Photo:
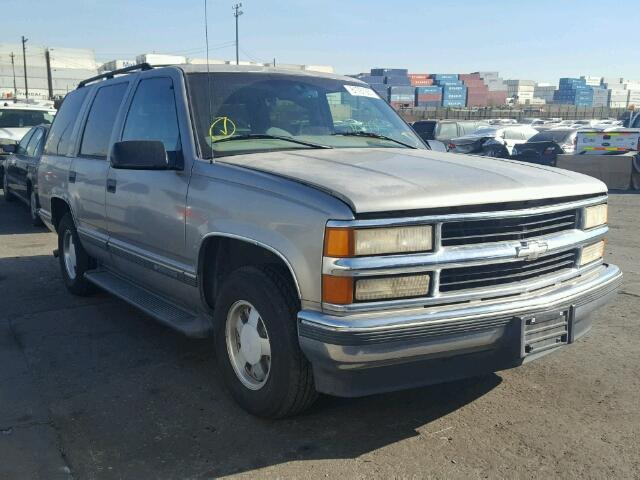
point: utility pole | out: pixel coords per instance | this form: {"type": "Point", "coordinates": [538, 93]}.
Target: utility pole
{"type": "Point", "coordinates": [24, 60]}
{"type": "Point", "coordinates": [13, 67]}
{"type": "Point", "coordinates": [49, 80]}
{"type": "Point", "coordinates": [236, 13]}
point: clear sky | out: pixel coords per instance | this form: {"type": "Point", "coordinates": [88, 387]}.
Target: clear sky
{"type": "Point", "coordinates": [539, 40]}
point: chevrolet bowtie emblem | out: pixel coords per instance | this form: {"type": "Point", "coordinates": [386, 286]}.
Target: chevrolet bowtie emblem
{"type": "Point", "coordinates": [531, 250]}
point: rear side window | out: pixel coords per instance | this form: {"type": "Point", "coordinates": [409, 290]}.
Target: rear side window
{"type": "Point", "coordinates": [97, 131]}
{"type": "Point", "coordinates": [447, 130]}
{"type": "Point", "coordinates": [152, 115]}
{"type": "Point", "coordinates": [59, 139]}
{"type": "Point", "coordinates": [34, 143]}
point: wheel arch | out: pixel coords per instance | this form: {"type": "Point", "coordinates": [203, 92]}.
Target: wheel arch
{"type": "Point", "coordinates": [221, 253]}
{"type": "Point", "coordinates": [59, 208]}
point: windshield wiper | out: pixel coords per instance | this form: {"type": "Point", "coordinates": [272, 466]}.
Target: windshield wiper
{"type": "Point", "coordinates": [375, 135]}
{"type": "Point", "coordinates": [264, 136]}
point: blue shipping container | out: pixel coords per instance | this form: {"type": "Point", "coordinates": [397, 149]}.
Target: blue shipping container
{"type": "Point", "coordinates": [433, 90]}
{"type": "Point", "coordinates": [446, 76]}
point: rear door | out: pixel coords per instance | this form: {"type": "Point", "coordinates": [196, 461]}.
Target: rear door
{"type": "Point", "coordinates": [88, 173]}
{"type": "Point", "coordinates": [25, 168]}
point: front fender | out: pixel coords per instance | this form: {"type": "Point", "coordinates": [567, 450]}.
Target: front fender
{"type": "Point", "coordinates": [280, 215]}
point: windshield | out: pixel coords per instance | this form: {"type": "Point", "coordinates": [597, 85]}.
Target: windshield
{"type": "Point", "coordinates": [15, 118]}
{"type": "Point", "coordinates": [258, 112]}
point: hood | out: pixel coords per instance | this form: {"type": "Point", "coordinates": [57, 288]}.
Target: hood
{"type": "Point", "coordinates": [392, 179]}
{"type": "Point", "coordinates": [15, 133]}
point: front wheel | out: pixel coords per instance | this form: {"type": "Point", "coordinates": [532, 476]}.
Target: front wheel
{"type": "Point", "coordinates": [74, 260]}
{"type": "Point", "coordinates": [256, 344]}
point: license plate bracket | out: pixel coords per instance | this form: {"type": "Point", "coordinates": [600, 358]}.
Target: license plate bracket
{"type": "Point", "coordinates": [545, 331]}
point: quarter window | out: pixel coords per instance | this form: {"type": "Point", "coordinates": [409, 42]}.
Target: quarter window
{"type": "Point", "coordinates": [152, 114]}
{"type": "Point", "coordinates": [97, 132]}
{"type": "Point", "coordinates": [59, 139]}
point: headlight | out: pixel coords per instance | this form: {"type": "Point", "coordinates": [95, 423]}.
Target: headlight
{"type": "Point", "coordinates": [392, 287]}
{"type": "Point", "coordinates": [348, 242]}
{"type": "Point", "coordinates": [595, 216]}
{"type": "Point", "coordinates": [591, 253]}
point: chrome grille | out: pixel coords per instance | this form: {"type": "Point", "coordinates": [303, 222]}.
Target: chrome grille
{"type": "Point", "coordinates": [482, 276]}
{"type": "Point", "coordinates": [504, 229]}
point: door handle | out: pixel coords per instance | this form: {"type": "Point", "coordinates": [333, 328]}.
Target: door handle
{"type": "Point", "coordinates": [72, 176]}
{"type": "Point", "coordinates": [111, 185]}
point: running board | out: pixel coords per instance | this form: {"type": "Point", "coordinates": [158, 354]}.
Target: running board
{"type": "Point", "coordinates": [151, 304]}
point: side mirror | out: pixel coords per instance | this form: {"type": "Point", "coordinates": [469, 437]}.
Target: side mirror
{"type": "Point", "coordinates": [140, 155]}
{"type": "Point", "coordinates": [9, 148]}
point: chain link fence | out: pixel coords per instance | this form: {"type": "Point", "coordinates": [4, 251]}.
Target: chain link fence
{"type": "Point", "coordinates": [566, 112]}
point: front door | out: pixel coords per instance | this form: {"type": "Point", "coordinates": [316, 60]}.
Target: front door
{"type": "Point", "coordinates": [146, 208]}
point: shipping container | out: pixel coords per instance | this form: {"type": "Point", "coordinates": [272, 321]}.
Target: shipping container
{"type": "Point", "coordinates": [389, 71]}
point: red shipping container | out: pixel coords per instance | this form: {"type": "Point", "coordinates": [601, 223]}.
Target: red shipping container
{"type": "Point", "coordinates": [469, 76]}
{"type": "Point", "coordinates": [421, 82]}
{"type": "Point", "coordinates": [421, 76]}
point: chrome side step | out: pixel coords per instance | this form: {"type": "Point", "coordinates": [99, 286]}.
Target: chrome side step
{"type": "Point", "coordinates": [165, 312]}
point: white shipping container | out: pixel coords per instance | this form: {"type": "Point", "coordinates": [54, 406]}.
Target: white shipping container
{"type": "Point", "coordinates": [632, 86]}
{"type": "Point", "coordinates": [319, 68]}
{"type": "Point", "coordinates": [160, 59]}
{"type": "Point", "coordinates": [617, 104]}
{"type": "Point", "coordinates": [203, 61]}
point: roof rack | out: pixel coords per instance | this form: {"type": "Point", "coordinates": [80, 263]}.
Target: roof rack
{"type": "Point", "coordinates": [112, 73]}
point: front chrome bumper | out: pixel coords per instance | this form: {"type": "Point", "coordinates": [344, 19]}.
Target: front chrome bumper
{"type": "Point", "coordinates": [368, 353]}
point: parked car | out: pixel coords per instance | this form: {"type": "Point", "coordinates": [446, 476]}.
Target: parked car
{"type": "Point", "coordinates": [17, 118]}
{"type": "Point", "coordinates": [445, 130]}
{"type": "Point", "coordinates": [321, 260]}
{"type": "Point", "coordinates": [494, 141]}
{"type": "Point", "coordinates": [544, 147]}
{"type": "Point", "coordinates": [20, 179]}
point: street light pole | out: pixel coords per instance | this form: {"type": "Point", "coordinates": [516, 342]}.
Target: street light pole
{"type": "Point", "coordinates": [24, 60]}
{"type": "Point", "coordinates": [237, 12]}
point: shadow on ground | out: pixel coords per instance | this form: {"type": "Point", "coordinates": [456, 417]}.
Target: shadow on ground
{"type": "Point", "coordinates": [130, 398]}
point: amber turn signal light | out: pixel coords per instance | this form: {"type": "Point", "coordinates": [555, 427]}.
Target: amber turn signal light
{"type": "Point", "coordinates": [338, 242]}
{"type": "Point", "coordinates": [337, 290]}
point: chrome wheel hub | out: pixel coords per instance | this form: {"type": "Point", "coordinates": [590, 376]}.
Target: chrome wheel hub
{"type": "Point", "coordinates": [248, 345]}
{"type": "Point", "coordinates": [69, 254]}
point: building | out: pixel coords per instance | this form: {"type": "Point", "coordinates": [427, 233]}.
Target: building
{"type": "Point", "coordinates": [544, 91]}
{"type": "Point", "coordinates": [522, 91]}
{"type": "Point", "coordinates": [51, 71]}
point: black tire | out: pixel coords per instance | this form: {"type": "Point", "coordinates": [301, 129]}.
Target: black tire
{"type": "Point", "coordinates": [78, 285]}
{"type": "Point", "coordinates": [36, 221]}
{"type": "Point", "coordinates": [8, 197]}
{"type": "Point", "coordinates": [289, 388]}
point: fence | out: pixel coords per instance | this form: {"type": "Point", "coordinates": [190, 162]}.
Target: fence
{"type": "Point", "coordinates": [566, 112]}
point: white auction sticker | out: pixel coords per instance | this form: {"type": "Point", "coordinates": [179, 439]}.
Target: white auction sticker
{"type": "Point", "coordinates": [357, 91]}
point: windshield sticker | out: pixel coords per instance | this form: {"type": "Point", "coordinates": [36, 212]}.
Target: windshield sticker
{"type": "Point", "coordinates": [222, 127]}
{"type": "Point", "coordinates": [357, 91]}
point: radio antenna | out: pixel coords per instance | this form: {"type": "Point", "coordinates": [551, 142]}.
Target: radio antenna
{"type": "Point", "coordinates": [209, 92]}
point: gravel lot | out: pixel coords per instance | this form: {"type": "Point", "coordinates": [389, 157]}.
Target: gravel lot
{"type": "Point", "coordinates": [92, 388]}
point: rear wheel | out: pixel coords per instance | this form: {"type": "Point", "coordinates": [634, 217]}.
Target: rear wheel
{"type": "Point", "coordinates": [5, 188]}
{"type": "Point", "coordinates": [257, 346]}
{"type": "Point", "coordinates": [33, 209]}
{"type": "Point", "coordinates": [74, 260]}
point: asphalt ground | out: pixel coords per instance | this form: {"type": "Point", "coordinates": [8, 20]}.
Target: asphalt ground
{"type": "Point", "coordinates": [90, 388]}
